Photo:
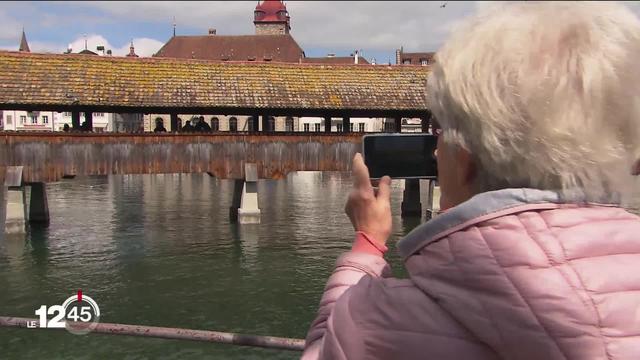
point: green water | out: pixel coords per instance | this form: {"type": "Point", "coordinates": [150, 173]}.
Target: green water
{"type": "Point", "coordinates": [159, 250]}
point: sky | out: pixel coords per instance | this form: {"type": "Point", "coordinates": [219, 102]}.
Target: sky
{"type": "Point", "coordinates": [377, 28]}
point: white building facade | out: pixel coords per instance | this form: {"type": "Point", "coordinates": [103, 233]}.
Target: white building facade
{"type": "Point", "coordinates": [18, 120]}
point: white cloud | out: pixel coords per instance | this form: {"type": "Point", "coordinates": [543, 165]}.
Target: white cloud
{"type": "Point", "coordinates": [92, 42]}
{"type": "Point", "coordinates": [230, 17]}
{"type": "Point", "coordinates": [144, 47]}
{"type": "Point", "coordinates": [342, 25]}
{"type": "Point", "coordinates": [10, 29]}
{"type": "Point", "coordinates": [46, 47]}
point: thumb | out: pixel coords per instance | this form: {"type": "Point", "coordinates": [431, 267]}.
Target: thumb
{"type": "Point", "coordinates": [384, 188]}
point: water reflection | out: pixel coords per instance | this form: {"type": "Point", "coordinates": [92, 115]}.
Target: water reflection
{"type": "Point", "coordinates": [160, 250]}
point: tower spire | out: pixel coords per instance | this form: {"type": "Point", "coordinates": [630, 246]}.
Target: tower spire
{"type": "Point", "coordinates": [132, 51]}
{"type": "Point", "coordinates": [24, 45]}
{"type": "Point", "coordinates": [174, 26]}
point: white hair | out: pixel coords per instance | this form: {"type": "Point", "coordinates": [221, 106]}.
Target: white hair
{"type": "Point", "coordinates": [544, 95]}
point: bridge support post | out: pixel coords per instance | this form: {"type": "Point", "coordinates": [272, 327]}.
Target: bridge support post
{"type": "Point", "coordinates": [244, 206]}
{"type": "Point", "coordinates": [327, 124]}
{"type": "Point", "coordinates": [398, 124]}
{"type": "Point", "coordinates": [433, 199]}
{"type": "Point", "coordinates": [75, 120]}
{"type": "Point", "coordinates": [346, 124]}
{"type": "Point", "coordinates": [174, 123]}
{"type": "Point", "coordinates": [88, 117]}
{"type": "Point", "coordinates": [15, 220]}
{"type": "Point", "coordinates": [424, 123]}
{"type": "Point", "coordinates": [265, 123]}
{"type": "Point", "coordinates": [411, 205]}
{"type": "Point", "coordinates": [255, 123]}
{"type": "Point", "coordinates": [38, 204]}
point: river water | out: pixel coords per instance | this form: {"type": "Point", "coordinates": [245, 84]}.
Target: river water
{"type": "Point", "coordinates": [159, 250]}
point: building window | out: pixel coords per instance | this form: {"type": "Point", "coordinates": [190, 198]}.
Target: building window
{"type": "Point", "coordinates": [361, 127]}
{"type": "Point", "coordinates": [288, 123]}
{"type": "Point", "coordinates": [306, 127]}
{"type": "Point", "coordinates": [45, 119]}
{"type": "Point", "coordinates": [9, 119]}
{"type": "Point", "coordinates": [339, 127]}
{"type": "Point", "coordinates": [406, 62]}
{"type": "Point", "coordinates": [350, 127]}
{"type": "Point", "coordinates": [215, 124]}
{"type": "Point", "coordinates": [423, 62]}
{"type": "Point", "coordinates": [271, 124]}
{"type": "Point", "coordinates": [23, 119]}
{"type": "Point", "coordinates": [34, 119]}
{"type": "Point", "coordinates": [316, 127]}
{"type": "Point", "coordinates": [233, 124]}
{"type": "Point", "coordinates": [98, 114]}
{"type": "Point", "coordinates": [67, 114]}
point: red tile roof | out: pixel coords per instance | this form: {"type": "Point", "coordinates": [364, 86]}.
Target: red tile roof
{"type": "Point", "coordinates": [271, 11]}
{"type": "Point", "coordinates": [277, 48]}
{"type": "Point", "coordinates": [104, 82]}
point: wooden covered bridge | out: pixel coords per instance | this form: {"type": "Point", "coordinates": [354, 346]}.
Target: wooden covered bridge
{"type": "Point", "coordinates": [81, 83]}
{"type": "Point", "coordinates": [88, 84]}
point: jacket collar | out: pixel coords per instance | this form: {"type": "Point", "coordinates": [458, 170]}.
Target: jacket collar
{"type": "Point", "coordinates": [483, 207]}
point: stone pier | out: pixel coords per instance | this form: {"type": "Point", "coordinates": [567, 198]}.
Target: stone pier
{"type": "Point", "coordinates": [434, 200]}
{"type": "Point", "coordinates": [244, 206]}
{"type": "Point", "coordinates": [15, 219]}
{"type": "Point", "coordinates": [411, 205]}
{"type": "Point", "coordinates": [38, 205]}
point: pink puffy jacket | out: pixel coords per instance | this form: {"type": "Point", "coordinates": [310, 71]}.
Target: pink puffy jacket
{"type": "Point", "coordinates": [509, 274]}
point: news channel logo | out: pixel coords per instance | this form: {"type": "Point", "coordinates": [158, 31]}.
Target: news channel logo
{"type": "Point", "coordinates": [79, 314]}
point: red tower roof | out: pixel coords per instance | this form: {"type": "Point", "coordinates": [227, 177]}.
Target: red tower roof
{"type": "Point", "coordinates": [271, 11]}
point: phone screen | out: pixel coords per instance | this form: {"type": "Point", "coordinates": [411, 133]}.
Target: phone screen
{"type": "Point", "coordinates": [401, 155]}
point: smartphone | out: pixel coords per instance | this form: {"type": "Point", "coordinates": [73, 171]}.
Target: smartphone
{"type": "Point", "coordinates": [400, 156]}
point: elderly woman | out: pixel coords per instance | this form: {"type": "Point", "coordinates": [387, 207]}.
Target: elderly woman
{"type": "Point", "coordinates": [534, 258]}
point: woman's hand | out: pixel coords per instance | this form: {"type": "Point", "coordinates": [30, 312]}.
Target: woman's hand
{"type": "Point", "coordinates": [369, 212]}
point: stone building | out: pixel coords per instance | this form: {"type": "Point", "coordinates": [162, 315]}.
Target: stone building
{"type": "Point", "coordinates": [414, 58]}
{"type": "Point", "coordinates": [271, 42]}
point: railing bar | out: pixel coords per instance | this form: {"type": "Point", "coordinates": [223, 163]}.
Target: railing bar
{"type": "Point", "coordinates": [270, 342]}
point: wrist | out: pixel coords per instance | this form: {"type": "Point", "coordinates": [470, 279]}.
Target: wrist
{"type": "Point", "coordinates": [365, 243]}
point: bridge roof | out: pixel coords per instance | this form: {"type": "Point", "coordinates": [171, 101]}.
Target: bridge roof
{"type": "Point", "coordinates": [98, 83]}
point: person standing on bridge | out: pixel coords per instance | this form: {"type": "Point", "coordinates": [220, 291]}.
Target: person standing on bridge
{"type": "Point", "coordinates": [535, 258]}
{"type": "Point", "coordinates": [202, 125]}
{"type": "Point", "coordinates": [187, 127]}
{"type": "Point", "coordinates": [159, 125]}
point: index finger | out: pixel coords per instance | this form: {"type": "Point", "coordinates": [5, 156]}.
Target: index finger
{"type": "Point", "coordinates": [360, 174]}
